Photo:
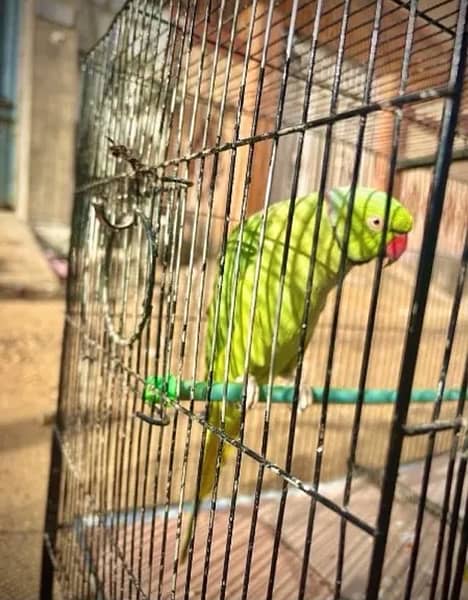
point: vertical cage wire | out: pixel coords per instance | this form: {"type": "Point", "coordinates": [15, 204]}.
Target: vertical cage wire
{"type": "Point", "coordinates": [197, 120]}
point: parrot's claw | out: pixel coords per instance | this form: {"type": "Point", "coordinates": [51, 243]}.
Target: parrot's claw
{"type": "Point", "coordinates": [252, 395]}
{"type": "Point", "coordinates": [305, 395]}
{"type": "Point", "coordinates": [305, 398]}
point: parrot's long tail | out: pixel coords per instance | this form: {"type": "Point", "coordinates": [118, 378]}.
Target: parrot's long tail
{"type": "Point", "coordinates": [207, 475]}
{"type": "Point", "coordinates": [187, 536]}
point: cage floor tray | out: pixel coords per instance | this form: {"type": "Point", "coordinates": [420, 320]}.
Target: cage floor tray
{"type": "Point", "coordinates": [147, 541]}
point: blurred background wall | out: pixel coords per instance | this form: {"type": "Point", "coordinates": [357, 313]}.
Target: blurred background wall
{"type": "Point", "coordinates": [39, 94]}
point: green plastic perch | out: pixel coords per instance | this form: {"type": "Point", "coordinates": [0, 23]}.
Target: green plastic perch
{"type": "Point", "coordinates": [169, 389]}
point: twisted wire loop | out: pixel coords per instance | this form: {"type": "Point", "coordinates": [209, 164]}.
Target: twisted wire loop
{"type": "Point", "coordinates": [112, 229]}
{"type": "Point", "coordinates": [151, 184]}
{"type": "Point", "coordinates": [140, 186]}
{"type": "Point", "coordinates": [99, 208]}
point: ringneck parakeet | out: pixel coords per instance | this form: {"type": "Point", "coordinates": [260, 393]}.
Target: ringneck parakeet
{"type": "Point", "coordinates": [363, 246]}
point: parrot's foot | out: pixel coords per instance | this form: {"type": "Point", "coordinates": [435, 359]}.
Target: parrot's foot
{"type": "Point", "coordinates": [253, 391]}
{"type": "Point", "coordinates": [305, 396]}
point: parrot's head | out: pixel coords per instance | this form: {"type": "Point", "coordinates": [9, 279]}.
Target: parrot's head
{"type": "Point", "coordinates": [367, 223]}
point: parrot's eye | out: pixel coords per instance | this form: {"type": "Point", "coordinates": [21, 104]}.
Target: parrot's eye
{"type": "Point", "coordinates": [375, 223]}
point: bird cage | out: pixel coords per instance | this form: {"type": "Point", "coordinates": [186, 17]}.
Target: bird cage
{"type": "Point", "coordinates": [200, 122]}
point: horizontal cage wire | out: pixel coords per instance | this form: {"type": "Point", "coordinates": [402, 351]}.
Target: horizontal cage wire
{"type": "Point", "coordinates": [264, 364]}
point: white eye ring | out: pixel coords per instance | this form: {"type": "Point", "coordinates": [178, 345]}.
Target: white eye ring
{"type": "Point", "coordinates": [375, 223]}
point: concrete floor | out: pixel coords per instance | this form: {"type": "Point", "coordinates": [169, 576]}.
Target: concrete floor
{"type": "Point", "coordinates": [31, 315]}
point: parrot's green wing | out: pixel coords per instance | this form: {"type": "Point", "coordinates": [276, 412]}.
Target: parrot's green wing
{"type": "Point", "coordinates": [243, 279]}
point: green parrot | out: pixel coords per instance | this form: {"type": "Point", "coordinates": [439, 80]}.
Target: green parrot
{"type": "Point", "coordinates": [363, 246]}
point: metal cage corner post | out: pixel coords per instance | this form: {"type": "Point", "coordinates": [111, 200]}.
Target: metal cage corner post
{"type": "Point", "coordinates": [198, 118]}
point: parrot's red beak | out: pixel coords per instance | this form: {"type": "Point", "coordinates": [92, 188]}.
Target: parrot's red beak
{"type": "Point", "coordinates": [396, 247]}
